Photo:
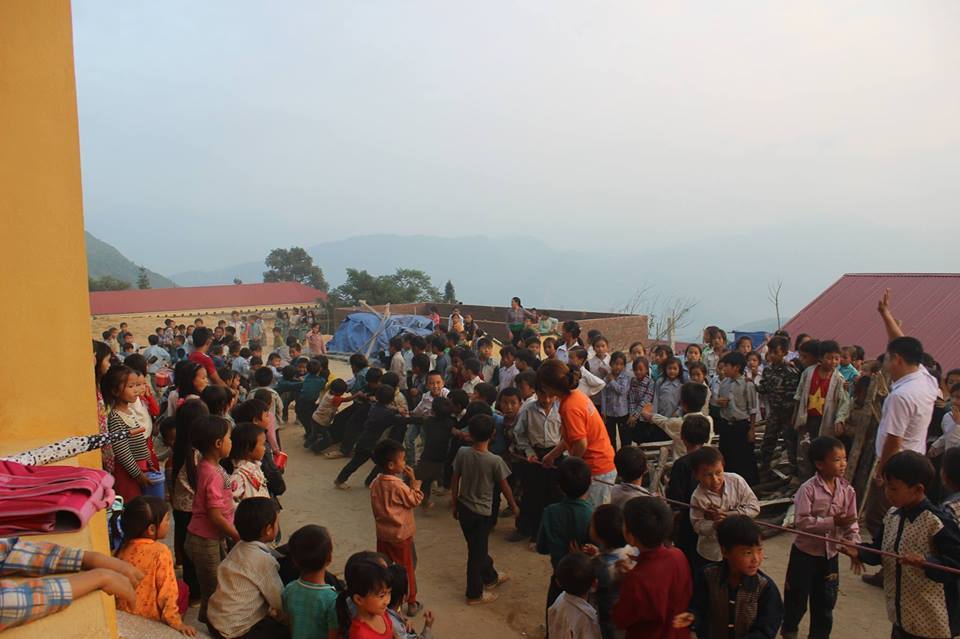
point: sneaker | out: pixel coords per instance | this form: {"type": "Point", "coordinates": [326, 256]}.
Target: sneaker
{"type": "Point", "coordinates": [340, 486]}
{"type": "Point", "coordinates": [414, 609]}
{"type": "Point", "coordinates": [485, 598]}
{"type": "Point", "coordinates": [502, 578]}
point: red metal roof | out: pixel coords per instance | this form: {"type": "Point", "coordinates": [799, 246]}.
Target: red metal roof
{"type": "Point", "coordinates": [926, 304]}
{"type": "Point", "coordinates": [203, 297]}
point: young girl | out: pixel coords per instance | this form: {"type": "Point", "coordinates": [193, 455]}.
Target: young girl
{"type": "Point", "coordinates": [609, 546]}
{"type": "Point", "coordinates": [716, 348]}
{"type": "Point", "coordinates": [599, 364]}
{"type": "Point", "coordinates": [248, 445]}
{"type": "Point", "coordinates": [191, 379]}
{"type": "Point", "coordinates": [213, 506]}
{"type": "Point", "coordinates": [639, 395]}
{"type": "Point", "coordinates": [232, 379]}
{"type": "Point", "coordinates": [220, 400]}
{"type": "Point", "coordinates": [146, 521]}
{"type": "Point", "coordinates": [666, 395]}
{"type": "Point", "coordinates": [693, 354]}
{"type": "Point", "coordinates": [133, 456]}
{"type": "Point", "coordinates": [550, 348]}
{"type": "Point", "coordinates": [368, 589]}
{"type": "Point", "coordinates": [614, 400]}
{"type": "Point", "coordinates": [754, 367]}
{"type": "Point", "coordinates": [270, 420]}
{"type": "Point", "coordinates": [637, 349]}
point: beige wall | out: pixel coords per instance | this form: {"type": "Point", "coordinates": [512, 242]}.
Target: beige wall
{"type": "Point", "coordinates": [45, 274]}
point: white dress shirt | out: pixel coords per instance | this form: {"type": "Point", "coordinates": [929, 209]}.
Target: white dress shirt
{"type": "Point", "coordinates": [907, 411]}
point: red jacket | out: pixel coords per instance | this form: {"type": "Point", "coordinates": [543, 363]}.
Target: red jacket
{"type": "Point", "coordinates": [657, 589]}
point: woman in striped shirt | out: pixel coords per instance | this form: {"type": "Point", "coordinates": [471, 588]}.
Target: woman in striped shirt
{"type": "Point", "coordinates": [133, 456]}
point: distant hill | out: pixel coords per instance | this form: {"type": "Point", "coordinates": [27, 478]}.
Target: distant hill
{"type": "Point", "coordinates": [103, 259]}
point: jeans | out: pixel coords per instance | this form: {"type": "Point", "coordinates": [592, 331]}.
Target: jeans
{"type": "Point", "coordinates": [206, 555]}
{"type": "Point", "coordinates": [816, 579]}
{"type": "Point", "coordinates": [476, 530]}
{"type": "Point", "coordinates": [599, 493]}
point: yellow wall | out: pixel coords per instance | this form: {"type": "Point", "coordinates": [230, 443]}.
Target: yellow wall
{"type": "Point", "coordinates": [47, 371]}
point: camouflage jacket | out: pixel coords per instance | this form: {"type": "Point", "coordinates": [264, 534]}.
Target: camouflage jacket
{"type": "Point", "coordinates": [778, 385]}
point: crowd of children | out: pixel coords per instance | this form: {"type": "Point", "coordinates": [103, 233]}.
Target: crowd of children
{"type": "Point", "coordinates": [443, 417]}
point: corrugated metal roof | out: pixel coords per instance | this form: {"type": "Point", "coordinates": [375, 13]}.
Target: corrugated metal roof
{"type": "Point", "coordinates": [926, 304]}
{"type": "Point", "coordinates": [203, 297]}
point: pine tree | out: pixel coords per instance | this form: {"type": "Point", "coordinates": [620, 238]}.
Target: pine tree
{"type": "Point", "coordinates": [143, 280]}
{"type": "Point", "coordinates": [449, 293]}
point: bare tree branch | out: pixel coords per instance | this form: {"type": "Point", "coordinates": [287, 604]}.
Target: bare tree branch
{"type": "Point", "coordinates": [665, 315]}
{"type": "Point", "coordinates": [774, 297]}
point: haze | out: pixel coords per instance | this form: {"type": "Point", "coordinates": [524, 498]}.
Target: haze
{"type": "Point", "coordinates": [710, 148]}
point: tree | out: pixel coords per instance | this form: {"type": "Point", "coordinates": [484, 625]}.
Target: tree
{"type": "Point", "coordinates": [449, 293]}
{"type": "Point", "coordinates": [774, 297]}
{"type": "Point", "coordinates": [237, 281]}
{"type": "Point", "coordinates": [293, 265]}
{"type": "Point", "coordinates": [143, 280]}
{"type": "Point", "coordinates": [402, 287]}
{"type": "Point", "coordinates": [107, 283]}
{"type": "Point", "coordinates": [665, 315]}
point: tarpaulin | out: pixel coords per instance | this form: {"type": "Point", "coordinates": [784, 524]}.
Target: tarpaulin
{"type": "Point", "coordinates": [357, 329]}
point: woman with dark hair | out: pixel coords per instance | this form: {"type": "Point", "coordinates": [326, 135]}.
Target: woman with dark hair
{"type": "Point", "coordinates": [582, 431]}
{"type": "Point", "coordinates": [516, 318]}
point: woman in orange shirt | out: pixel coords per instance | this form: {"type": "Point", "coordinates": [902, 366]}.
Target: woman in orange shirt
{"type": "Point", "coordinates": [145, 521]}
{"type": "Point", "coordinates": [582, 431]}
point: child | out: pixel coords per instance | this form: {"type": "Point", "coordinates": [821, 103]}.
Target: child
{"type": "Point", "coordinates": [508, 405]}
{"type": "Point", "coordinates": [248, 445]}
{"type": "Point", "coordinates": [133, 457]}
{"type": "Point", "coordinates": [778, 388]}
{"type": "Point", "coordinates": [716, 348]}
{"type": "Point", "coordinates": [477, 473]}
{"type": "Point", "coordinates": [213, 505]}
{"type": "Point", "coordinates": [568, 521]}
{"type": "Point", "coordinates": [639, 395]}
{"type": "Point", "coordinates": [550, 348]}
{"type": "Point", "coordinates": [536, 433]}
{"type": "Point", "coordinates": [739, 405]}
{"type": "Point", "coordinates": [381, 418]}
{"type": "Point", "coordinates": [658, 587]}
{"type": "Point", "coordinates": [263, 380]}
{"type": "Point", "coordinates": [249, 595]}
{"type": "Point", "coordinates": [508, 368]}
{"type": "Point", "coordinates": [718, 495]}
{"type": "Point", "coordinates": [824, 505]}
{"type": "Point", "coordinates": [666, 394]}
{"type": "Point", "coordinates": [661, 353]}
{"type": "Point", "coordinates": [393, 503]}
{"type": "Point", "coordinates": [399, 583]}
{"type": "Point", "coordinates": [847, 368]}
{"type": "Point", "coordinates": [693, 397]}
{"type": "Point", "coordinates": [950, 478]}
{"type": "Point", "coordinates": [920, 602]}
{"type": "Point", "coordinates": [609, 547]}
{"type": "Point", "coordinates": [599, 362]}
{"type": "Point", "coordinates": [571, 615]}
{"type": "Point", "coordinates": [697, 374]}
{"type": "Point", "coordinates": [313, 384]}
{"type": "Point", "coordinates": [256, 412]}
{"type": "Point", "coordinates": [823, 403]}
{"type": "Point", "coordinates": [435, 390]}
{"type": "Point", "coordinates": [590, 385]}
{"type": "Point", "coordinates": [694, 433]}
{"type": "Point", "coordinates": [754, 369]}
{"type": "Point", "coordinates": [744, 345]}
{"type": "Point", "coordinates": [146, 521]}
{"type": "Point", "coordinates": [755, 610]}
{"type": "Point", "coordinates": [309, 602]}
{"type": "Point", "coordinates": [614, 400]}
{"type": "Point", "coordinates": [437, 432]}
{"type": "Point", "coordinates": [948, 425]}
{"type": "Point", "coordinates": [327, 408]}
{"type": "Point", "coordinates": [368, 589]}
{"type": "Point", "coordinates": [471, 374]}
{"type": "Point", "coordinates": [631, 463]}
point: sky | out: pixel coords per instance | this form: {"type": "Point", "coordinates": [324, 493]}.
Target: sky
{"type": "Point", "coordinates": [715, 142]}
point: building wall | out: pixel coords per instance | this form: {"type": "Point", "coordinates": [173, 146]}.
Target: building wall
{"type": "Point", "coordinates": [46, 273]}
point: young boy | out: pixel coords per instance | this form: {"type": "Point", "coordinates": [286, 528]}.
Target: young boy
{"type": "Point", "coordinates": [847, 368]}
{"type": "Point", "coordinates": [263, 378]}
{"type": "Point", "coordinates": [381, 418]}
{"type": "Point", "coordinates": [536, 433]}
{"type": "Point", "coordinates": [485, 355]}
{"type": "Point", "coordinates": [658, 587]}
{"type": "Point", "coordinates": [693, 397]}
{"type": "Point", "coordinates": [567, 521]}
{"type": "Point", "coordinates": [310, 602]}
{"type": "Point", "coordinates": [920, 602]}
{"type": "Point", "coordinates": [695, 434]}
{"type": "Point", "coordinates": [571, 615]}
{"type": "Point", "coordinates": [737, 399]}
{"type": "Point", "coordinates": [435, 390]}
{"type": "Point", "coordinates": [327, 407]}
{"type": "Point", "coordinates": [754, 609]}
{"type": "Point", "coordinates": [471, 374]}
{"type": "Point", "coordinates": [249, 595]}
{"type": "Point", "coordinates": [393, 503]}
{"type": "Point", "coordinates": [477, 474]}
{"type": "Point", "coordinates": [778, 390]}
{"type": "Point", "coordinates": [825, 505]}
{"type": "Point", "coordinates": [823, 403]}
{"type": "Point", "coordinates": [631, 463]}
{"type": "Point", "coordinates": [508, 370]}
{"type": "Point", "coordinates": [437, 432]}
{"type": "Point", "coordinates": [717, 496]}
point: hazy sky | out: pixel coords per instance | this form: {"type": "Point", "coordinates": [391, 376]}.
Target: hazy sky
{"type": "Point", "coordinates": [817, 138]}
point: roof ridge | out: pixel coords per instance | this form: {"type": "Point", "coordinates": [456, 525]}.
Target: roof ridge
{"type": "Point", "coordinates": [901, 275]}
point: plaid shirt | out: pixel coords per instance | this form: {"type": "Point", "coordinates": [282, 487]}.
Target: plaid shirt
{"type": "Point", "coordinates": [30, 599]}
{"type": "Point", "coordinates": [639, 393]}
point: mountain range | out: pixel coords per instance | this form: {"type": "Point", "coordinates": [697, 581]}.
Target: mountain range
{"type": "Point", "coordinates": [103, 259]}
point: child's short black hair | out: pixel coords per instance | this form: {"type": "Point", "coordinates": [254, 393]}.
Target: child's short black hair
{"type": "Point", "coordinates": [338, 386]}
{"type": "Point", "coordinates": [421, 362]}
{"type": "Point", "coordinates": [484, 342]}
{"type": "Point", "coordinates": [527, 357]}
{"type": "Point", "coordinates": [373, 375]}
{"type": "Point", "coordinates": [396, 343]}
{"type": "Point", "coordinates": [576, 574]}
{"type": "Point", "coordinates": [574, 477]}
{"type": "Point", "coordinates": [527, 377]}
{"type": "Point", "coordinates": [244, 439]}
{"type": "Point", "coordinates": [738, 530]}
{"type": "Point", "coordinates": [607, 522]}
{"type": "Point", "coordinates": [530, 341]}
{"type": "Point", "coordinates": [695, 430]}
{"type": "Point", "coordinates": [205, 432]}
{"type": "Point", "coordinates": [631, 463]}
{"type": "Point", "coordinates": [252, 517]}
{"type": "Point", "coordinates": [649, 519]}
{"type": "Point", "coordinates": [745, 338]}
{"type": "Point", "coordinates": [950, 467]}
{"type": "Point", "coordinates": [385, 394]}
{"type": "Point", "coordinates": [167, 424]}
{"type": "Point", "coordinates": [487, 392]}
{"type": "Point", "coordinates": [153, 340]}
{"type": "Point", "coordinates": [459, 398]}
{"type": "Point", "coordinates": [697, 366]}
{"type": "Point", "coordinates": [640, 360]}
{"type": "Point", "coordinates": [217, 398]}
{"type": "Point", "coordinates": [779, 343]}
{"type": "Point", "coordinates": [663, 349]}
{"type": "Point", "coordinates": [390, 379]}
{"type": "Point", "coordinates": [249, 411]}
{"type": "Point", "coordinates": [828, 347]}
{"type": "Point", "coordinates": [910, 467]}
{"type": "Point", "coordinates": [288, 372]}
{"type": "Point", "coordinates": [810, 347]}
{"type": "Point", "coordinates": [442, 407]}
{"type": "Point", "coordinates": [508, 350]}
{"type": "Point", "coordinates": [735, 359]}
{"type": "Point", "coordinates": [706, 456]}
{"type": "Point", "coordinates": [822, 446]}
{"type": "Point", "coordinates": [510, 391]}
{"type": "Point", "coordinates": [314, 367]}
{"type": "Point", "coordinates": [263, 376]}
{"type": "Point", "coordinates": [693, 396]}
{"type": "Point", "coordinates": [387, 451]}
{"type": "Point", "coordinates": [909, 348]}
{"type": "Point", "coordinates": [310, 547]}
{"type": "Point", "coordinates": [618, 356]}
{"type": "Point", "coordinates": [481, 428]}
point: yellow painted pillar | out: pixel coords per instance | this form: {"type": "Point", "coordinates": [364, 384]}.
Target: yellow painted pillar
{"type": "Point", "coordinates": [47, 372]}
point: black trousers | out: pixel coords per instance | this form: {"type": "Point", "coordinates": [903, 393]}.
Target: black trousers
{"type": "Point", "coordinates": [266, 628]}
{"type": "Point", "coordinates": [540, 489]}
{"type": "Point", "coordinates": [476, 531]}
{"type": "Point", "coordinates": [360, 457]}
{"type": "Point", "coordinates": [737, 448]}
{"type": "Point", "coordinates": [614, 424]}
{"type": "Point", "coordinates": [181, 519]}
{"type": "Point", "coordinates": [353, 427]}
{"type": "Point", "coordinates": [816, 579]}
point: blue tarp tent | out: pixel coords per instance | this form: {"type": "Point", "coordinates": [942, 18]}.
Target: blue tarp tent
{"type": "Point", "coordinates": [357, 329]}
